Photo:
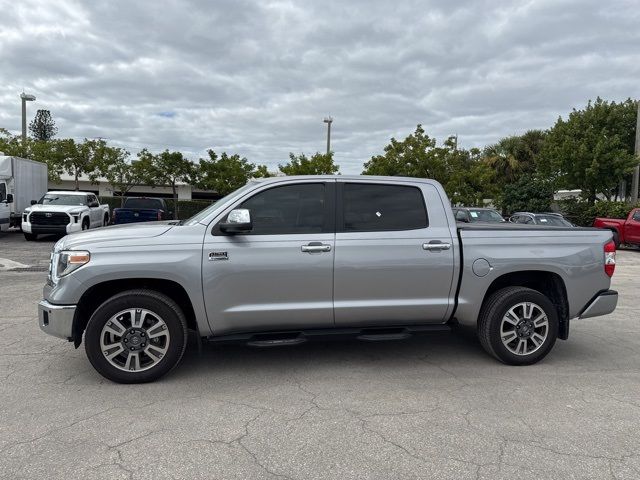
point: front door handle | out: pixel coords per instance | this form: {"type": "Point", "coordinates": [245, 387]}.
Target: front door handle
{"type": "Point", "coordinates": [316, 247]}
{"type": "Point", "coordinates": [435, 246]}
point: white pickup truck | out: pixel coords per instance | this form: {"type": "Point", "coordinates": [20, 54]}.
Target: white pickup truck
{"type": "Point", "coordinates": [63, 213]}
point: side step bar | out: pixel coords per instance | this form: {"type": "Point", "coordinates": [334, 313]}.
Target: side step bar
{"type": "Point", "coordinates": [296, 337]}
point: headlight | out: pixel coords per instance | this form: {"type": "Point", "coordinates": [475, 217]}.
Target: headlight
{"type": "Point", "coordinates": [67, 261]}
{"type": "Point", "coordinates": [75, 213]}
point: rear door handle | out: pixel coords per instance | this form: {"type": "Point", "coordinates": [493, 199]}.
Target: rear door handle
{"type": "Point", "coordinates": [435, 246]}
{"type": "Point", "coordinates": [316, 247]}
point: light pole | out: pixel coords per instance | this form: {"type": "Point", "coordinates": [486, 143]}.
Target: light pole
{"type": "Point", "coordinates": [328, 121]}
{"type": "Point", "coordinates": [25, 98]}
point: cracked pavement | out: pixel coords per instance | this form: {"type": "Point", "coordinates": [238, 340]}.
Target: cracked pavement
{"type": "Point", "coordinates": [429, 407]}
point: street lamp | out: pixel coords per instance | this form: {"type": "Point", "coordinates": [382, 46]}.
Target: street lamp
{"type": "Point", "coordinates": [25, 98]}
{"type": "Point", "coordinates": [328, 121]}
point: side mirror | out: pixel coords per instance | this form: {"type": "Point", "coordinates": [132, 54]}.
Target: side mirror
{"type": "Point", "coordinates": [33, 202]}
{"type": "Point", "coordinates": [10, 198]}
{"type": "Point", "coordinates": [238, 221]}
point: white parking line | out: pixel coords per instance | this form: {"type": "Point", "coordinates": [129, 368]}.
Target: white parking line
{"type": "Point", "coordinates": [6, 265]}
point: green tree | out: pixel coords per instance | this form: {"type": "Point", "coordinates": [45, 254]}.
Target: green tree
{"type": "Point", "coordinates": [527, 194]}
{"type": "Point", "coordinates": [592, 149]}
{"type": "Point", "coordinates": [51, 152]}
{"type": "Point", "coordinates": [466, 179]}
{"type": "Point", "coordinates": [415, 156]}
{"type": "Point", "coordinates": [317, 164]}
{"type": "Point", "coordinates": [81, 158]}
{"type": "Point", "coordinates": [515, 155]}
{"type": "Point", "coordinates": [167, 169]}
{"type": "Point", "coordinates": [115, 166]}
{"type": "Point", "coordinates": [42, 127]}
{"type": "Point", "coordinates": [225, 173]}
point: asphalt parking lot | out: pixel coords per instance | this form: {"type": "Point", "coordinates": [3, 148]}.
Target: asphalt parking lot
{"type": "Point", "coordinates": [430, 407]}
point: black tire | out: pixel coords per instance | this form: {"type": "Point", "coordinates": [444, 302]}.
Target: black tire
{"type": "Point", "coordinates": [85, 224]}
{"type": "Point", "coordinates": [616, 239]}
{"type": "Point", "coordinates": [491, 316]}
{"type": "Point", "coordinates": [157, 303]}
{"type": "Point", "coordinates": [30, 237]}
{"type": "Point", "coordinates": [105, 222]}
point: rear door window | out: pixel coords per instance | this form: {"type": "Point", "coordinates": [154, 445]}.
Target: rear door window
{"type": "Point", "coordinates": [376, 208]}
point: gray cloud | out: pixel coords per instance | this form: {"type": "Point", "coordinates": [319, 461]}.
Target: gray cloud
{"type": "Point", "coordinates": [257, 78]}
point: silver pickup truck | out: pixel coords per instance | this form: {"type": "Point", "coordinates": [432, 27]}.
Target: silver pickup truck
{"type": "Point", "coordinates": [289, 259]}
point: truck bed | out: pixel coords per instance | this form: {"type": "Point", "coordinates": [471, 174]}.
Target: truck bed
{"type": "Point", "coordinates": [575, 254]}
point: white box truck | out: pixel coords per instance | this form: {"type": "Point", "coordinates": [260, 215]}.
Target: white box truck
{"type": "Point", "coordinates": [21, 181]}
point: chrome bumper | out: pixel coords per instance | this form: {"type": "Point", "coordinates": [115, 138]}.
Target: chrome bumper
{"type": "Point", "coordinates": [603, 304]}
{"type": "Point", "coordinates": [56, 320]}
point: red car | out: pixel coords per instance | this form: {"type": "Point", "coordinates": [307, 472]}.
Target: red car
{"type": "Point", "coordinates": [624, 231]}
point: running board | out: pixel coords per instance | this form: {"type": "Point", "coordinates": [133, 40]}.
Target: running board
{"type": "Point", "coordinates": [296, 337]}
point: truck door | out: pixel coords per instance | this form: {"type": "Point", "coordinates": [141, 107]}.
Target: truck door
{"type": "Point", "coordinates": [95, 212]}
{"type": "Point", "coordinates": [5, 208]}
{"type": "Point", "coordinates": [280, 275]}
{"type": "Point", "coordinates": [394, 254]}
{"type": "Point", "coordinates": [632, 228]}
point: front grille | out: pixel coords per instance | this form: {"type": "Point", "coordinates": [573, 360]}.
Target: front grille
{"type": "Point", "coordinates": [49, 218]}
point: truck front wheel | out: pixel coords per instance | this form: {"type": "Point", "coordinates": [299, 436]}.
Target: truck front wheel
{"type": "Point", "coordinates": [518, 325]}
{"type": "Point", "coordinates": [136, 336]}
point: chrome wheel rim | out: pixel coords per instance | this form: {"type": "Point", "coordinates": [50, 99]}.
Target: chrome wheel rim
{"type": "Point", "coordinates": [524, 328]}
{"type": "Point", "coordinates": [134, 340]}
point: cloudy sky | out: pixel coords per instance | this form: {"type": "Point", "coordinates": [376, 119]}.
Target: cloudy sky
{"type": "Point", "coordinates": [257, 78]}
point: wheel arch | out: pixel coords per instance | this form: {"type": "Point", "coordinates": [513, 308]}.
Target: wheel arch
{"type": "Point", "coordinates": [548, 283]}
{"type": "Point", "coordinates": [100, 292]}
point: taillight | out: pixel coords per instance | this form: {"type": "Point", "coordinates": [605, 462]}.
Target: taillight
{"type": "Point", "coordinates": [610, 258]}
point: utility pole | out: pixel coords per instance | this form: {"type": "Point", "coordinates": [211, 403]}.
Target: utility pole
{"type": "Point", "coordinates": [636, 171]}
{"type": "Point", "coordinates": [25, 98]}
{"type": "Point", "coordinates": [328, 121]}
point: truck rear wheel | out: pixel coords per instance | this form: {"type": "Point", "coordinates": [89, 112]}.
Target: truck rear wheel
{"type": "Point", "coordinates": [136, 336]}
{"type": "Point", "coordinates": [518, 325]}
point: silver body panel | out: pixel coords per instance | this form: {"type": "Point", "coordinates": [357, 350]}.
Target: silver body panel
{"type": "Point", "coordinates": [242, 283]}
{"type": "Point", "coordinates": [56, 320]}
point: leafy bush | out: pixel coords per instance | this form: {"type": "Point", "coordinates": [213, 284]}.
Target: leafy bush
{"type": "Point", "coordinates": [527, 194]}
{"type": "Point", "coordinates": [186, 208]}
{"type": "Point", "coordinates": [582, 213]}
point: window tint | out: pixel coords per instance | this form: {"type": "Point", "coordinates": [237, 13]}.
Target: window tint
{"type": "Point", "coordinates": [636, 215]}
{"type": "Point", "coordinates": [150, 203]}
{"type": "Point", "coordinates": [3, 191]}
{"type": "Point", "coordinates": [370, 208]}
{"type": "Point", "coordinates": [288, 209]}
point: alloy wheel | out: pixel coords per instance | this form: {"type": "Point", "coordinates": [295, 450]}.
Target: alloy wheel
{"type": "Point", "coordinates": [135, 339]}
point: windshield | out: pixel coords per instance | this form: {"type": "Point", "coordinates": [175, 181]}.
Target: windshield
{"type": "Point", "coordinates": [485, 216]}
{"type": "Point", "coordinates": [61, 199]}
{"type": "Point", "coordinates": [205, 213]}
{"type": "Point", "coordinates": [150, 203]}
{"type": "Point", "coordinates": [553, 220]}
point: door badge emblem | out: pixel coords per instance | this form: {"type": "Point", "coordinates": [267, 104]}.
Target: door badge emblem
{"type": "Point", "coordinates": [216, 256]}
